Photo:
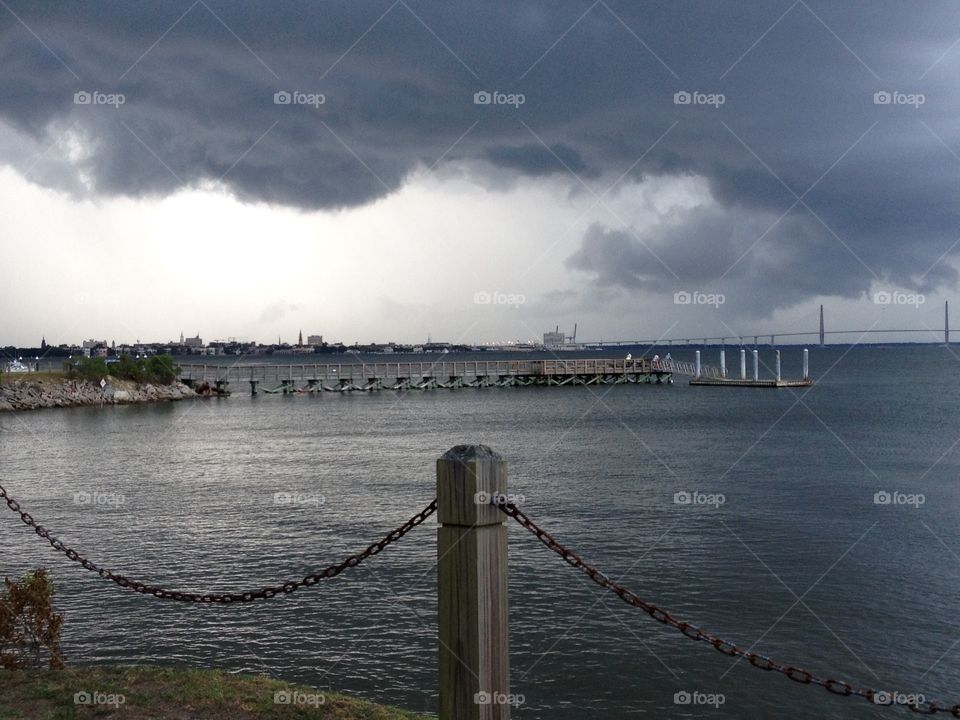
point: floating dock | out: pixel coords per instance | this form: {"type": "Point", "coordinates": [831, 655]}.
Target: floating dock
{"type": "Point", "coordinates": [367, 377]}
{"type": "Point", "coordinates": [736, 382]}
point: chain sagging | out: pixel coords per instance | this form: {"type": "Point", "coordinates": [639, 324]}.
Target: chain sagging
{"type": "Point", "coordinates": [762, 662]}
{"type": "Point", "coordinates": [261, 594]}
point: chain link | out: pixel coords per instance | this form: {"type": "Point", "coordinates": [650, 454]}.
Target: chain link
{"type": "Point", "coordinates": [262, 594]}
{"type": "Point", "coordinates": [762, 662]}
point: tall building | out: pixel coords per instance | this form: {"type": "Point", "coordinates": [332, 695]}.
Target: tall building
{"type": "Point", "coordinates": [315, 340]}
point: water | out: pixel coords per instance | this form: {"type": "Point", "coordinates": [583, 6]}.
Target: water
{"type": "Point", "coordinates": [799, 559]}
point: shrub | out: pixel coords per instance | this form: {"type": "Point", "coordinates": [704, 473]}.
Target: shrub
{"type": "Point", "coordinates": [29, 628]}
{"type": "Point", "coordinates": [85, 368]}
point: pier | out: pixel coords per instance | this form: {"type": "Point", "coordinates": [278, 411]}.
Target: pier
{"type": "Point", "coordinates": [369, 377]}
{"type": "Point", "coordinates": [719, 377]}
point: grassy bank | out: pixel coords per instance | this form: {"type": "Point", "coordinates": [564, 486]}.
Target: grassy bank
{"type": "Point", "coordinates": [173, 693]}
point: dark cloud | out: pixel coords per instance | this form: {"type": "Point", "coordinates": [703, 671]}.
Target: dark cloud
{"type": "Point", "coordinates": [868, 190]}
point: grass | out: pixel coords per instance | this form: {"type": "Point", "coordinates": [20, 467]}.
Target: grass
{"type": "Point", "coordinates": [167, 693]}
{"type": "Point", "coordinates": [10, 377]}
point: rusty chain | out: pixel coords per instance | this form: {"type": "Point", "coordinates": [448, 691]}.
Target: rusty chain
{"type": "Point", "coordinates": [762, 662]}
{"type": "Point", "coordinates": [262, 594]}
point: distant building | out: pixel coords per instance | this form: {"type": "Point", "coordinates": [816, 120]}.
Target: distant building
{"type": "Point", "coordinates": [315, 340]}
{"type": "Point", "coordinates": [553, 340]}
{"type": "Point", "coordinates": [88, 344]}
{"type": "Point", "coordinates": [194, 343]}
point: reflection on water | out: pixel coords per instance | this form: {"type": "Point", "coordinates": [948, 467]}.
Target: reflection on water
{"type": "Point", "coordinates": [798, 559]}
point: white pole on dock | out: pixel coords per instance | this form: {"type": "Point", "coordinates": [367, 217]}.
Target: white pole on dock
{"type": "Point", "coordinates": [756, 365]}
{"type": "Point", "coordinates": [723, 363]}
{"type": "Point", "coordinates": [778, 364]}
{"type": "Point", "coordinates": [697, 363]}
{"type": "Point", "coordinates": [806, 364]}
{"type": "Point", "coordinates": [743, 364]}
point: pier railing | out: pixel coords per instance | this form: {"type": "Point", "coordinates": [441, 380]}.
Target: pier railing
{"type": "Point", "coordinates": [472, 506]}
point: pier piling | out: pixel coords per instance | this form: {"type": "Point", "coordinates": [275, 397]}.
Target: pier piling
{"type": "Point", "coordinates": [474, 668]}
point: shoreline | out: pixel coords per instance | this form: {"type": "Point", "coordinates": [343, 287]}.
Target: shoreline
{"type": "Point", "coordinates": [28, 393]}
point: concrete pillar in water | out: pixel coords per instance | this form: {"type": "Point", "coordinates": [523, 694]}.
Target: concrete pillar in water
{"type": "Point", "coordinates": [743, 364]}
{"type": "Point", "coordinates": [697, 363]}
{"type": "Point", "coordinates": [778, 364]}
{"type": "Point", "coordinates": [806, 364]}
{"type": "Point", "coordinates": [756, 365]}
{"type": "Point", "coordinates": [723, 363]}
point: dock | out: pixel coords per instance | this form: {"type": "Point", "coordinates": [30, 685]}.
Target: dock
{"type": "Point", "coordinates": [765, 383]}
{"type": "Point", "coordinates": [370, 377]}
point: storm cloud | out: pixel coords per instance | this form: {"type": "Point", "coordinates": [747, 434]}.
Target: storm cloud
{"type": "Point", "coordinates": [825, 133]}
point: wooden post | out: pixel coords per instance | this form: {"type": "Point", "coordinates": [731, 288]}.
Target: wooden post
{"type": "Point", "coordinates": [472, 585]}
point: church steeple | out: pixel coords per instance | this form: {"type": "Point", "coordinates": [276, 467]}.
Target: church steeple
{"type": "Point", "coordinates": [300, 341]}
{"type": "Point", "coordinates": [43, 343]}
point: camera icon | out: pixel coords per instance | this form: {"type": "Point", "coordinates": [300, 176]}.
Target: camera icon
{"type": "Point", "coordinates": [882, 698]}
{"type": "Point", "coordinates": [282, 697]}
{"type": "Point", "coordinates": [282, 98]}
{"type": "Point", "coordinates": [882, 98]}
{"type": "Point", "coordinates": [682, 698]}
{"type": "Point", "coordinates": [482, 698]}
{"type": "Point", "coordinates": [682, 98]}
{"type": "Point", "coordinates": [882, 298]}
{"type": "Point", "coordinates": [481, 498]}
{"type": "Point", "coordinates": [283, 498]}
{"type": "Point", "coordinates": [682, 298]}
{"type": "Point", "coordinates": [482, 98]}
{"type": "Point", "coordinates": [882, 498]}
{"type": "Point", "coordinates": [82, 698]}
{"type": "Point", "coordinates": [82, 98]}
{"type": "Point", "coordinates": [682, 498]}
{"type": "Point", "coordinates": [82, 498]}
{"type": "Point", "coordinates": [482, 298]}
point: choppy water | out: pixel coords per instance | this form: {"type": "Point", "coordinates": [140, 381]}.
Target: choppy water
{"type": "Point", "coordinates": [799, 559]}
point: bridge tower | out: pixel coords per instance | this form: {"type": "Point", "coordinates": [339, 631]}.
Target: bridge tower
{"type": "Point", "coordinates": [946, 322]}
{"type": "Point", "coordinates": [821, 326]}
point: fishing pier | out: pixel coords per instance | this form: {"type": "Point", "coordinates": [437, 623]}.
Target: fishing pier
{"type": "Point", "coordinates": [371, 377]}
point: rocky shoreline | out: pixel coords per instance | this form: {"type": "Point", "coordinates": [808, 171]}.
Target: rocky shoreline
{"type": "Point", "coordinates": [33, 394]}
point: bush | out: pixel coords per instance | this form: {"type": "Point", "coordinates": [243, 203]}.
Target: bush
{"type": "Point", "coordinates": [29, 628]}
{"type": "Point", "coordinates": [158, 369]}
{"type": "Point", "coordinates": [85, 368]}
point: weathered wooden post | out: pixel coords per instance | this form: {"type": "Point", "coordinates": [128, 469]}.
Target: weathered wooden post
{"type": "Point", "coordinates": [472, 585]}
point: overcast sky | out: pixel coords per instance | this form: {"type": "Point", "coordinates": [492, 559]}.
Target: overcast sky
{"type": "Point", "coordinates": [378, 170]}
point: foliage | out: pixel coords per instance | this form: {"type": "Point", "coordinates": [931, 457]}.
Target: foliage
{"type": "Point", "coordinates": [85, 368]}
{"type": "Point", "coordinates": [158, 369]}
{"type": "Point", "coordinates": [29, 628]}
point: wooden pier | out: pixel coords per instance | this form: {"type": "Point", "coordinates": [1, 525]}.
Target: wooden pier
{"type": "Point", "coordinates": [368, 377]}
